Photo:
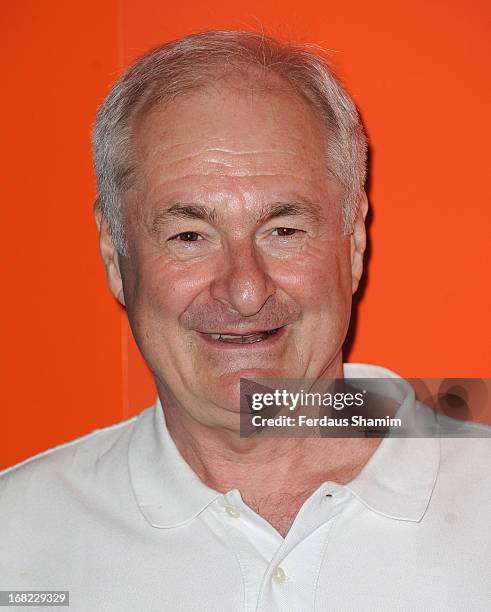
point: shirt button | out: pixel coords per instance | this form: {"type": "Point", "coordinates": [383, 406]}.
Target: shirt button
{"type": "Point", "coordinates": [232, 511]}
{"type": "Point", "coordinates": [279, 574]}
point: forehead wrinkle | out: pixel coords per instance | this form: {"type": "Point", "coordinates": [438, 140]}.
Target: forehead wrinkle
{"type": "Point", "coordinates": [201, 149]}
{"type": "Point", "coordinates": [219, 182]}
{"type": "Point", "coordinates": [250, 151]}
{"type": "Point", "coordinates": [205, 148]}
{"type": "Point", "coordinates": [235, 163]}
{"type": "Point", "coordinates": [218, 178]}
{"type": "Point", "coordinates": [208, 157]}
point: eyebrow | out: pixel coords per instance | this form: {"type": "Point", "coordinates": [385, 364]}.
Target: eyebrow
{"type": "Point", "coordinates": [181, 210]}
{"type": "Point", "coordinates": [305, 208]}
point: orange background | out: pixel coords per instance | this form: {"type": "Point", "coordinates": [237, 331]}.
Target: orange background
{"type": "Point", "coordinates": [419, 72]}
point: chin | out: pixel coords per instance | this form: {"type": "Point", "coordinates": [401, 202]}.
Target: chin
{"type": "Point", "coordinates": [226, 391]}
{"type": "Point", "coordinates": [232, 380]}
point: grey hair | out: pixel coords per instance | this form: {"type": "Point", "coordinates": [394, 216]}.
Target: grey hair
{"type": "Point", "coordinates": [191, 62]}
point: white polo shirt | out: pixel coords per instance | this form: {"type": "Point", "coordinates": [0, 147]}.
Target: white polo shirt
{"type": "Point", "coordinates": [121, 521]}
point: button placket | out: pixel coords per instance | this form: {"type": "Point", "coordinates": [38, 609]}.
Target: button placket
{"type": "Point", "coordinates": [252, 543]}
{"type": "Point", "coordinates": [291, 577]}
{"type": "Point", "coordinates": [278, 574]}
{"type": "Point", "coordinates": [232, 511]}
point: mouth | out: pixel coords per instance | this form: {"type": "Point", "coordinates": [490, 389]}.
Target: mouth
{"type": "Point", "coordinates": [244, 338]}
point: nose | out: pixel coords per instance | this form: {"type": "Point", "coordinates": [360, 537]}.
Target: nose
{"type": "Point", "coordinates": [243, 283]}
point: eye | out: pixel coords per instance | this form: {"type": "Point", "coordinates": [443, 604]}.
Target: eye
{"type": "Point", "coordinates": [284, 231]}
{"type": "Point", "coordinates": [187, 237]}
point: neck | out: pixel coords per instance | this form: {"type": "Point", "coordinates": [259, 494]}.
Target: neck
{"type": "Point", "coordinates": [268, 472]}
{"type": "Point", "coordinates": [269, 464]}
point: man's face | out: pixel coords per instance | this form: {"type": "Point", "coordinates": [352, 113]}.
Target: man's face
{"type": "Point", "coordinates": [237, 265]}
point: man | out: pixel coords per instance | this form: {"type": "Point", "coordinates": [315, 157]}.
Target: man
{"type": "Point", "coordinates": [231, 212]}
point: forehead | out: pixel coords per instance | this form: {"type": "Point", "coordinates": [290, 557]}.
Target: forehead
{"type": "Point", "coordinates": [240, 132]}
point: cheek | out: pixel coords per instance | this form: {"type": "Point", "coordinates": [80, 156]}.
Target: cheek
{"type": "Point", "coordinates": [160, 291]}
{"type": "Point", "coordinates": [322, 279]}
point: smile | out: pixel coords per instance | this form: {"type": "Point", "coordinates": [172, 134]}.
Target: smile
{"type": "Point", "coordinates": [245, 338]}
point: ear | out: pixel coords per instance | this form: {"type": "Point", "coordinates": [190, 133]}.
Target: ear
{"type": "Point", "coordinates": [109, 255]}
{"type": "Point", "coordinates": [358, 243]}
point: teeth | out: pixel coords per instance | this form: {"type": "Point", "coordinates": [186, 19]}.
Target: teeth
{"type": "Point", "coordinates": [248, 339]}
{"type": "Point", "coordinates": [245, 339]}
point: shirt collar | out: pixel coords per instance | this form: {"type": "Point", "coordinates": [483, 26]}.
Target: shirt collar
{"type": "Point", "coordinates": [166, 489]}
{"type": "Point", "coordinates": [399, 478]}
{"type": "Point", "coordinates": [397, 481]}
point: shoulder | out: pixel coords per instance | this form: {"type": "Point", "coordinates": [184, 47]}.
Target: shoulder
{"type": "Point", "coordinates": [47, 472]}
{"type": "Point", "coordinates": [464, 474]}
{"type": "Point", "coordinates": [465, 444]}
{"type": "Point", "coordinates": [64, 499]}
